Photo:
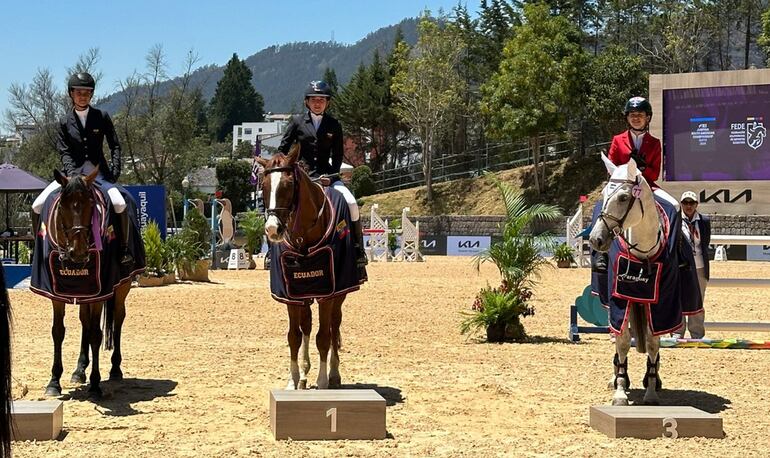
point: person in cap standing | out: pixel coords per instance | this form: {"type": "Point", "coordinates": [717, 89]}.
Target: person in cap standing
{"type": "Point", "coordinates": [80, 139]}
{"type": "Point", "coordinates": [320, 138]}
{"type": "Point", "coordinates": [697, 231]}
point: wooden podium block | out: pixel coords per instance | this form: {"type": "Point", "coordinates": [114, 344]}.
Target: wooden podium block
{"type": "Point", "coordinates": [650, 422]}
{"type": "Point", "coordinates": [327, 414]}
{"type": "Point", "coordinates": [37, 420]}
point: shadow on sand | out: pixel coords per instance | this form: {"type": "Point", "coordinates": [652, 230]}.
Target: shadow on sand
{"type": "Point", "coordinates": [707, 402]}
{"type": "Point", "coordinates": [119, 395]}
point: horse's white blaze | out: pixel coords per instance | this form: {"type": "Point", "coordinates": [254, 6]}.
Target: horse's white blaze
{"type": "Point", "coordinates": [323, 378]}
{"type": "Point", "coordinates": [272, 223]}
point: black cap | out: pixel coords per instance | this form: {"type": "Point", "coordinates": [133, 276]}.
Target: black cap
{"type": "Point", "coordinates": [81, 80]}
{"type": "Point", "coordinates": [318, 89]}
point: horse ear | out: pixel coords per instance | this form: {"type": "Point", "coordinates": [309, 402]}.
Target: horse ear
{"type": "Point", "coordinates": [632, 168]}
{"type": "Point", "coordinates": [92, 176]}
{"type": "Point", "coordinates": [608, 164]}
{"type": "Point", "coordinates": [293, 154]}
{"type": "Point", "coordinates": [60, 178]}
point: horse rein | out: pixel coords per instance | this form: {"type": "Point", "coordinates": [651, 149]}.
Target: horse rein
{"type": "Point", "coordinates": [69, 233]}
{"type": "Point", "coordinates": [294, 206]}
{"type": "Point", "coordinates": [618, 230]}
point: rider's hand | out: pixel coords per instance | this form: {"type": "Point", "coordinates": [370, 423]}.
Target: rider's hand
{"type": "Point", "coordinates": [641, 164]}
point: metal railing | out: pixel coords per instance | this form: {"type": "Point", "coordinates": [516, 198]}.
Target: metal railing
{"type": "Point", "coordinates": [493, 158]}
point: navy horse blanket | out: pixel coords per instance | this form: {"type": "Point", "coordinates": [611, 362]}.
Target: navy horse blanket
{"type": "Point", "coordinates": [666, 284]}
{"type": "Point", "coordinates": [97, 279]}
{"type": "Point", "coordinates": [326, 270]}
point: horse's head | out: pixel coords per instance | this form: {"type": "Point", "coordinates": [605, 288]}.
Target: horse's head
{"type": "Point", "coordinates": [74, 215]}
{"type": "Point", "coordinates": [279, 192]}
{"type": "Point", "coordinates": [622, 207]}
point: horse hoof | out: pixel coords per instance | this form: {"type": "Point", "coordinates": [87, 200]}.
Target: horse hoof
{"type": "Point", "coordinates": [78, 378]}
{"type": "Point", "coordinates": [52, 392]}
{"type": "Point", "coordinates": [116, 375]}
{"type": "Point", "coordinates": [302, 385]}
{"type": "Point", "coordinates": [620, 402]}
{"type": "Point", "coordinates": [291, 386]}
{"type": "Point", "coordinates": [651, 402]}
{"type": "Point", "coordinates": [335, 382]}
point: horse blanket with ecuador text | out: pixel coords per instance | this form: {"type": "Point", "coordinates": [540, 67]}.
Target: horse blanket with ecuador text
{"type": "Point", "coordinates": [666, 284]}
{"type": "Point", "coordinates": [327, 270]}
{"type": "Point", "coordinates": [96, 279]}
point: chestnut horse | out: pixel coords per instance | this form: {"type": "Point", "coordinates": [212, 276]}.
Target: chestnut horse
{"type": "Point", "coordinates": [297, 213]}
{"type": "Point", "coordinates": [5, 368]}
{"type": "Point", "coordinates": [71, 227]}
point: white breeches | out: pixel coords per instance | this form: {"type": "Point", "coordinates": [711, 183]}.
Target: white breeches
{"type": "Point", "coordinates": [118, 203]}
{"type": "Point", "coordinates": [349, 198]}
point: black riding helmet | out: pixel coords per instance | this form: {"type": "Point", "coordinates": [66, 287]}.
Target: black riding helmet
{"type": "Point", "coordinates": [318, 89]}
{"type": "Point", "coordinates": [638, 104]}
{"type": "Point", "coordinates": [81, 80]}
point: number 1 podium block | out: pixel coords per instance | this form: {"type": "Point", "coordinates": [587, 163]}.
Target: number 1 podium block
{"type": "Point", "coordinates": [37, 420]}
{"type": "Point", "coordinates": [327, 414]}
{"type": "Point", "coordinates": [650, 422]}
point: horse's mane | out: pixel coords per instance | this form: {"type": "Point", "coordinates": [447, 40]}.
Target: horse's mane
{"type": "Point", "coordinates": [5, 369]}
{"type": "Point", "coordinates": [75, 184]}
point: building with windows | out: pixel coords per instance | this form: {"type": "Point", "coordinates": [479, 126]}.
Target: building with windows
{"type": "Point", "coordinates": [253, 131]}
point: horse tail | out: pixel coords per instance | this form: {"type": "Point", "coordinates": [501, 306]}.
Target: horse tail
{"type": "Point", "coordinates": [5, 368]}
{"type": "Point", "coordinates": [640, 326]}
{"type": "Point", "coordinates": [108, 325]}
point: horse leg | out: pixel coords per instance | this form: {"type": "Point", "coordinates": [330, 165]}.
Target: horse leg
{"type": "Point", "coordinates": [622, 346]}
{"type": "Point", "coordinates": [652, 381]}
{"type": "Point", "coordinates": [119, 315]}
{"type": "Point", "coordinates": [306, 326]}
{"type": "Point", "coordinates": [57, 332]}
{"type": "Point", "coordinates": [90, 319]}
{"type": "Point", "coordinates": [294, 336]}
{"type": "Point", "coordinates": [79, 375]}
{"type": "Point", "coordinates": [335, 380]}
{"type": "Point", "coordinates": [323, 341]}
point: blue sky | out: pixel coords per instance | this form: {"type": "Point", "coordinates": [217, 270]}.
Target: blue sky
{"type": "Point", "coordinates": [52, 34]}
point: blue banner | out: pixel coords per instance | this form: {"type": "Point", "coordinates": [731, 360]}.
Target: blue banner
{"type": "Point", "coordinates": [150, 205]}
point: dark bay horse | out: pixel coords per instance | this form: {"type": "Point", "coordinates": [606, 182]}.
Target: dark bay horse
{"type": "Point", "coordinates": [300, 218]}
{"type": "Point", "coordinates": [5, 368]}
{"type": "Point", "coordinates": [70, 226]}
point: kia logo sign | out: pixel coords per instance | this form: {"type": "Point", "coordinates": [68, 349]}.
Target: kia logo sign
{"type": "Point", "coordinates": [724, 196]}
{"type": "Point", "coordinates": [468, 245]}
{"type": "Point", "coordinates": [427, 244]}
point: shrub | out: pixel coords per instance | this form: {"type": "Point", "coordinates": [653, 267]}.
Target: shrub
{"type": "Point", "coordinates": [253, 225]}
{"type": "Point", "coordinates": [362, 181]}
{"type": "Point", "coordinates": [155, 250]}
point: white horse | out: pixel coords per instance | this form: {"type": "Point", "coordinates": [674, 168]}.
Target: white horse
{"type": "Point", "coordinates": [629, 212]}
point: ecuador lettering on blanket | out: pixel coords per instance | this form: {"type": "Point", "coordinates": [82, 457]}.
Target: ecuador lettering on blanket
{"type": "Point", "coordinates": [327, 270]}
{"type": "Point", "coordinates": [665, 284]}
{"type": "Point", "coordinates": [96, 279]}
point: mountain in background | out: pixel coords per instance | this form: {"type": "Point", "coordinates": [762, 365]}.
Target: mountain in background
{"type": "Point", "coordinates": [282, 72]}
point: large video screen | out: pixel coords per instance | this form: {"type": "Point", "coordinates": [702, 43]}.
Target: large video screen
{"type": "Point", "coordinates": [716, 133]}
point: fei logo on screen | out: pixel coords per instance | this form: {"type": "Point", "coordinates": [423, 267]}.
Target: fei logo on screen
{"type": "Point", "coordinates": [751, 133]}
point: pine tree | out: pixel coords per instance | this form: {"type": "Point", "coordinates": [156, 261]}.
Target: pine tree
{"type": "Point", "coordinates": [235, 100]}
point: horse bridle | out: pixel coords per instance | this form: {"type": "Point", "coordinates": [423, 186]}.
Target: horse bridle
{"type": "Point", "coordinates": [71, 232]}
{"type": "Point", "coordinates": [618, 230]}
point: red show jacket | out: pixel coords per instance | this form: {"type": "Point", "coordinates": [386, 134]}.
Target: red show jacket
{"type": "Point", "coordinates": [651, 151]}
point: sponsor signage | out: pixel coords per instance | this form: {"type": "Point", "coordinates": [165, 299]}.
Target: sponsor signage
{"type": "Point", "coordinates": [432, 245]}
{"type": "Point", "coordinates": [150, 205]}
{"type": "Point", "coordinates": [757, 253]}
{"type": "Point", "coordinates": [467, 245]}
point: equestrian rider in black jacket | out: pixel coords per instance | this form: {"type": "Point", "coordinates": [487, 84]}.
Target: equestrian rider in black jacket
{"type": "Point", "coordinates": [320, 139]}
{"type": "Point", "coordinates": [79, 141]}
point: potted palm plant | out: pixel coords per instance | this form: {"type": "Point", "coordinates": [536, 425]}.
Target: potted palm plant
{"type": "Point", "coordinates": [564, 256]}
{"type": "Point", "coordinates": [154, 256]}
{"type": "Point", "coordinates": [518, 258]}
{"type": "Point", "coordinates": [190, 247]}
{"type": "Point", "coordinates": [253, 225]}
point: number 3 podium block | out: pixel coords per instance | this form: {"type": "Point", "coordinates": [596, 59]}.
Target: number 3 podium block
{"type": "Point", "coordinates": [37, 420]}
{"type": "Point", "coordinates": [327, 414]}
{"type": "Point", "coordinates": [650, 422]}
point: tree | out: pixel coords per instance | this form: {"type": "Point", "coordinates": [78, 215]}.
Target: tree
{"type": "Point", "coordinates": [615, 76]}
{"type": "Point", "coordinates": [233, 177]}
{"type": "Point", "coordinates": [235, 100]}
{"type": "Point", "coordinates": [539, 82]}
{"type": "Point", "coordinates": [162, 133]}
{"type": "Point", "coordinates": [764, 38]}
{"type": "Point", "coordinates": [427, 86]}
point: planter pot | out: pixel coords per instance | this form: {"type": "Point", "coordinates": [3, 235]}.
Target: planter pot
{"type": "Point", "coordinates": [563, 264]}
{"type": "Point", "coordinates": [150, 281]}
{"type": "Point", "coordinates": [496, 332]}
{"type": "Point", "coordinates": [169, 279]}
{"type": "Point", "coordinates": [199, 271]}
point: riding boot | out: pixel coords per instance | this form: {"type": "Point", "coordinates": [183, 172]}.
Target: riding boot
{"type": "Point", "coordinates": [126, 260]}
{"type": "Point", "coordinates": [358, 244]}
